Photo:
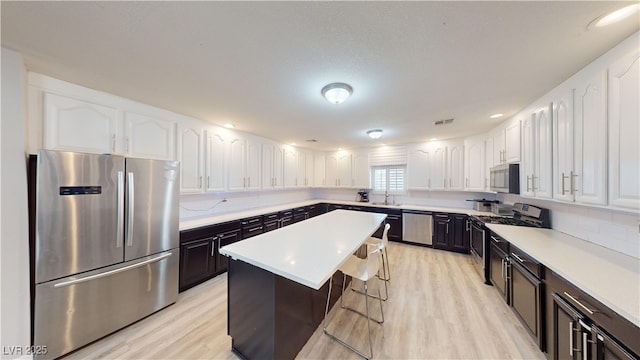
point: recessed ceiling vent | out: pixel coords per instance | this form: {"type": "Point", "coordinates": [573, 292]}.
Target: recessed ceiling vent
{"type": "Point", "coordinates": [311, 140]}
{"type": "Point", "coordinates": [443, 122]}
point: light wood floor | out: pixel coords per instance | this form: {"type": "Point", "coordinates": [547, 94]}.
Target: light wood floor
{"type": "Point", "coordinates": [438, 308]}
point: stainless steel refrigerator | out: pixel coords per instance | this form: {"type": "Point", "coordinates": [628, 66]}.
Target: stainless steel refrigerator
{"type": "Point", "coordinates": [104, 244]}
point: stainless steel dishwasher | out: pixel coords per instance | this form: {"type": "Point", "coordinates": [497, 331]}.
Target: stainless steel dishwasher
{"type": "Point", "coordinates": [417, 227]}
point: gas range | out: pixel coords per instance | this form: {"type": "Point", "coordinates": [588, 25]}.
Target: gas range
{"type": "Point", "coordinates": [523, 215]}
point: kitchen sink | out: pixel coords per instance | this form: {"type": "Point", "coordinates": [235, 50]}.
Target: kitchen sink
{"type": "Point", "coordinates": [382, 203]}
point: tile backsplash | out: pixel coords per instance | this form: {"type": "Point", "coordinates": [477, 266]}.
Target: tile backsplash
{"type": "Point", "coordinates": [616, 230]}
{"type": "Point", "coordinates": [613, 229]}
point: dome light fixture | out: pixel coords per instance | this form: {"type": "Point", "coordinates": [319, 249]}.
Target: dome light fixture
{"type": "Point", "coordinates": [374, 134]}
{"type": "Point", "coordinates": [495, 116]}
{"type": "Point", "coordinates": [337, 93]}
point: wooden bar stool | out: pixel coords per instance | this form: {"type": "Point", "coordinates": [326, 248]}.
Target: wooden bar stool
{"type": "Point", "coordinates": [363, 270]}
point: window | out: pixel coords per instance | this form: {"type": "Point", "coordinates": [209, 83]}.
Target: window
{"type": "Point", "coordinates": [388, 178]}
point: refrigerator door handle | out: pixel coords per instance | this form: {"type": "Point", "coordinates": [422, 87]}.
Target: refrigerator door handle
{"type": "Point", "coordinates": [112, 272]}
{"type": "Point", "coordinates": [130, 204]}
{"type": "Point", "coordinates": [119, 224]}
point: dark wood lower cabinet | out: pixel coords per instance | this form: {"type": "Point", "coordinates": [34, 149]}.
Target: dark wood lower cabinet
{"type": "Point", "coordinates": [580, 327]}
{"type": "Point", "coordinates": [525, 293]}
{"type": "Point", "coordinates": [197, 262]}
{"type": "Point", "coordinates": [451, 232]}
{"type": "Point", "coordinates": [199, 256]}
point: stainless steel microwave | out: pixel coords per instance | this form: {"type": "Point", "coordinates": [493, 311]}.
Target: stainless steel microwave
{"type": "Point", "coordinates": [505, 178]}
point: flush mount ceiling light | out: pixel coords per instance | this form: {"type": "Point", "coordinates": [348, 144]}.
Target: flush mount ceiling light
{"type": "Point", "coordinates": [374, 134]}
{"type": "Point", "coordinates": [337, 92]}
{"type": "Point", "coordinates": [229, 126]}
{"type": "Point", "coordinates": [615, 16]}
{"type": "Point", "coordinates": [495, 116]}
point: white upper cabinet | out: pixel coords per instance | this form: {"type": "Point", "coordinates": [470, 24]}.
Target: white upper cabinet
{"type": "Point", "coordinates": [190, 156]}
{"type": "Point", "coordinates": [512, 142]}
{"type": "Point", "coordinates": [590, 150]}
{"type": "Point", "coordinates": [272, 166]}
{"type": "Point", "coordinates": [563, 144]}
{"type": "Point", "coordinates": [345, 177]}
{"type": "Point", "coordinates": [149, 137]}
{"type": "Point", "coordinates": [624, 128]}
{"type": "Point", "coordinates": [307, 157]}
{"type": "Point", "coordinates": [488, 162]}
{"type": "Point", "coordinates": [438, 171]}
{"type": "Point", "coordinates": [245, 164]}
{"type": "Point", "coordinates": [214, 160]}
{"type": "Point", "coordinates": [536, 164]}
{"type": "Point", "coordinates": [77, 125]}
{"type": "Point", "coordinates": [319, 169]}
{"type": "Point", "coordinates": [474, 164]}
{"type": "Point", "coordinates": [331, 170]}
{"type": "Point", "coordinates": [542, 181]}
{"type": "Point", "coordinates": [418, 167]}
{"type": "Point", "coordinates": [290, 167]}
{"type": "Point", "coordinates": [455, 174]}
{"type": "Point", "coordinates": [506, 143]}
{"type": "Point", "coordinates": [361, 170]}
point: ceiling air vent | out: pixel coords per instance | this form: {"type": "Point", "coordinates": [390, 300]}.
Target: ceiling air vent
{"type": "Point", "coordinates": [312, 140]}
{"type": "Point", "coordinates": [443, 122]}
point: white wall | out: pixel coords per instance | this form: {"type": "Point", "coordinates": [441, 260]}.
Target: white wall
{"type": "Point", "coordinates": [14, 241]}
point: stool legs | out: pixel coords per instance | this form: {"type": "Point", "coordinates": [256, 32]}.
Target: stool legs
{"type": "Point", "coordinates": [367, 315]}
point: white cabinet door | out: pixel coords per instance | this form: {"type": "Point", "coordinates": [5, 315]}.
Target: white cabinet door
{"type": "Point", "coordinates": [308, 168]}
{"type": "Point", "coordinates": [512, 142]}
{"type": "Point", "coordinates": [190, 156]}
{"type": "Point", "coordinates": [527, 167]}
{"type": "Point", "coordinates": [331, 170]}
{"type": "Point", "coordinates": [563, 146]}
{"type": "Point", "coordinates": [488, 161]}
{"type": "Point", "coordinates": [237, 177]}
{"type": "Point", "coordinates": [319, 169]}
{"type": "Point", "coordinates": [290, 167]}
{"type": "Point", "coordinates": [624, 128]}
{"type": "Point", "coordinates": [149, 137]}
{"type": "Point", "coordinates": [344, 170]}
{"type": "Point", "coordinates": [499, 152]}
{"type": "Point", "coordinates": [361, 171]}
{"type": "Point", "coordinates": [253, 165]}
{"type": "Point", "coordinates": [474, 161]}
{"type": "Point", "coordinates": [214, 164]}
{"type": "Point", "coordinates": [272, 166]}
{"type": "Point", "coordinates": [542, 180]}
{"type": "Point", "coordinates": [456, 167]}
{"type": "Point", "coordinates": [76, 125]}
{"type": "Point", "coordinates": [591, 139]}
{"type": "Point", "coordinates": [439, 167]}
{"type": "Point", "coordinates": [418, 168]}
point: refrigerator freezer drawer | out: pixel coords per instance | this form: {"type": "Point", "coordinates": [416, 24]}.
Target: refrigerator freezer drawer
{"type": "Point", "coordinates": [74, 311]}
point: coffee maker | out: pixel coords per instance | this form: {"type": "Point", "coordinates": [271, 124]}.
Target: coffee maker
{"type": "Point", "coordinates": [363, 196]}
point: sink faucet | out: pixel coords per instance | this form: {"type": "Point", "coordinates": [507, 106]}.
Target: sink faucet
{"type": "Point", "coordinates": [386, 197]}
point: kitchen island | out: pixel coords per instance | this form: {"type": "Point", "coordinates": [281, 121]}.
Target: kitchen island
{"type": "Point", "coordinates": [277, 281]}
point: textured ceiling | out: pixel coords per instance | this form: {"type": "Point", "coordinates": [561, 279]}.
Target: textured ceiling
{"type": "Point", "coordinates": [261, 65]}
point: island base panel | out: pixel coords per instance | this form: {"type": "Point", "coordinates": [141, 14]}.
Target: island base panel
{"type": "Point", "coordinates": [269, 316]}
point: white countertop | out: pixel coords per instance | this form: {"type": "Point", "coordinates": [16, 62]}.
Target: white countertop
{"type": "Point", "coordinates": [608, 276]}
{"type": "Point", "coordinates": [308, 252]}
{"type": "Point", "coordinates": [217, 219]}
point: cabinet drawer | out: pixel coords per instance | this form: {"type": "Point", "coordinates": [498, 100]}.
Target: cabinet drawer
{"type": "Point", "coordinates": [500, 243]}
{"type": "Point", "coordinates": [520, 257]}
{"type": "Point", "coordinates": [252, 221]}
{"type": "Point", "coordinates": [271, 217]}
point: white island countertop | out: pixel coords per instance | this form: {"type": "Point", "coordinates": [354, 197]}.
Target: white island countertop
{"type": "Point", "coordinates": [608, 276]}
{"type": "Point", "coordinates": [308, 252]}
